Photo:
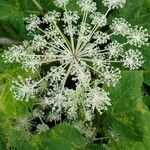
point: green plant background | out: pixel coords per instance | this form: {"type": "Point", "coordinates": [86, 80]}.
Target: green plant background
{"type": "Point", "coordinates": [129, 114]}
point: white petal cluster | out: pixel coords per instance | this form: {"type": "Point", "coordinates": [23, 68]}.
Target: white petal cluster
{"type": "Point", "coordinates": [87, 5]}
{"type": "Point", "coordinates": [61, 3]}
{"type": "Point", "coordinates": [98, 18]}
{"type": "Point", "coordinates": [51, 16]}
{"type": "Point", "coordinates": [133, 59]}
{"type": "Point", "coordinates": [101, 37]}
{"type": "Point", "coordinates": [70, 16]}
{"type": "Point", "coordinates": [23, 89]}
{"type": "Point", "coordinates": [39, 43]}
{"type": "Point", "coordinates": [74, 49]}
{"type": "Point", "coordinates": [14, 54]}
{"type": "Point", "coordinates": [111, 76]}
{"type": "Point", "coordinates": [32, 22]}
{"type": "Point", "coordinates": [120, 26]}
{"type": "Point", "coordinates": [98, 99]}
{"type": "Point", "coordinates": [111, 4]}
{"type": "Point", "coordinates": [115, 49]}
{"type": "Point", "coordinates": [138, 36]}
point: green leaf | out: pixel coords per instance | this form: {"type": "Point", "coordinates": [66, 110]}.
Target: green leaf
{"type": "Point", "coordinates": [132, 9]}
{"type": "Point", "coordinates": [143, 117]}
{"type": "Point", "coordinates": [20, 140]}
{"type": "Point", "coordinates": [124, 97]}
{"type": "Point", "coordinates": [95, 147]}
{"type": "Point", "coordinates": [127, 90]}
{"type": "Point", "coordinates": [147, 77]}
{"type": "Point", "coordinates": [12, 13]}
{"type": "Point", "coordinates": [129, 112]}
{"type": "Point", "coordinates": [9, 105]}
{"type": "Point", "coordinates": [61, 137]}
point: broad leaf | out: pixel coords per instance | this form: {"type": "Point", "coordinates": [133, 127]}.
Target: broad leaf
{"type": "Point", "coordinates": [61, 137]}
{"type": "Point", "coordinates": [128, 110]}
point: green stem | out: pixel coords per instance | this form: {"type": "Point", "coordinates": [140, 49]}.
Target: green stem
{"type": "Point", "coordinates": [37, 5]}
{"type": "Point", "coordinates": [63, 36]}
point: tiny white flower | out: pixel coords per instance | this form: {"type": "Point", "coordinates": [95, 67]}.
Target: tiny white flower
{"type": "Point", "coordinates": [71, 31]}
{"type": "Point", "coordinates": [133, 59]}
{"type": "Point", "coordinates": [53, 116]}
{"type": "Point", "coordinates": [44, 102]}
{"type": "Point", "coordinates": [37, 113]}
{"type": "Point", "coordinates": [57, 75]}
{"type": "Point", "coordinates": [85, 128]}
{"type": "Point", "coordinates": [84, 31]}
{"type": "Point", "coordinates": [31, 63]}
{"type": "Point", "coordinates": [99, 62]}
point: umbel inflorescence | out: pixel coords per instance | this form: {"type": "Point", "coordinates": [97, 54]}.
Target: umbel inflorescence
{"type": "Point", "coordinates": [77, 48]}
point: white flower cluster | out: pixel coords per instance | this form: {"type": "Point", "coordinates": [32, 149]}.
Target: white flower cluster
{"type": "Point", "coordinates": [111, 4]}
{"type": "Point", "coordinates": [78, 52]}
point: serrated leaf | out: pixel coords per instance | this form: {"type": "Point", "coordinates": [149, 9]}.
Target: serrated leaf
{"type": "Point", "coordinates": [18, 140]}
{"type": "Point", "coordinates": [143, 117]}
{"type": "Point", "coordinates": [129, 112]}
{"type": "Point", "coordinates": [12, 13]}
{"type": "Point", "coordinates": [124, 97]}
